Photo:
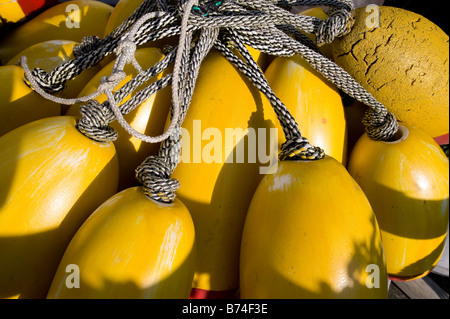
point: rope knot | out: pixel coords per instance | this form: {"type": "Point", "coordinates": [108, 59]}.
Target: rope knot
{"type": "Point", "coordinates": [154, 174]}
{"type": "Point", "coordinates": [87, 45]}
{"type": "Point", "coordinates": [380, 127]}
{"type": "Point", "coordinates": [298, 148]}
{"type": "Point", "coordinates": [339, 23]}
{"type": "Point", "coordinates": [110, 82]}
{"type": "Point", "coordinates": [126, 48]}
{"type": "Point", "coordinates": [45, 82]}
{"type": "Point", "coordinates": [94, 121]}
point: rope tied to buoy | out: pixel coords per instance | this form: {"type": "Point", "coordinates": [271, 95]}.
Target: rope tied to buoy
{"type": "Point", "coordinates": [228, 26]}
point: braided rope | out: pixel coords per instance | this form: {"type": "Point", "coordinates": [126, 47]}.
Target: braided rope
{"type": "Point", "coordinates": [266, 25]}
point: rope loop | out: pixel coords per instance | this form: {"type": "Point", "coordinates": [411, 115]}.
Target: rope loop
{"type": "Point", "coordinates": [110, 82]}
{"type": "Point", "coordinates": [127, 48]}
{"type": "Point", "coordinates": [44, 81]}
{"type": "Point", "coordinates": [154, 175]}
{"type": "Point", "coordinates": [339, 23]}
{"type": "Point", "coordinates": [299, 148]}
{"type": "Point", "coordinates": [380, 127]}
{"type": "Point", "coordinates": [94, 121]}
{"type": "Point", "coordinates": [125, 52]}
{"type": "Point", "coordinates": [87, 45]}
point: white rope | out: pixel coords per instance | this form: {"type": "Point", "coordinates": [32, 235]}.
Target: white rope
{"type": "Point", "coordinates": [126, 50]}
{"type": "Point", "coordinates": [36, 87]}
{"type": "Point", "coordinates": [128, 55]}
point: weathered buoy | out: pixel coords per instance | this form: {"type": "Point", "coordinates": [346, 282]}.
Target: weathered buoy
{"type": "Point", "coordinates": [401, 58]}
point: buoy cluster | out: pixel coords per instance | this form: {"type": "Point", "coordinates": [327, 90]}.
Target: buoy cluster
{"type": "Point", "coordinates": [245, 223]}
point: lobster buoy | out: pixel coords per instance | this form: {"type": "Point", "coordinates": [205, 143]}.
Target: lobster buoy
{"type": "Point", "coordinates": [52, 177]}
{"type": "Point", "coordinates": [406, 181]}
{"type": "Point", "coordinates": [310, 232]}
{"type": "Point", "coordinates": [19, 104]}
{"type": "Point", "coordinates": [313, 101]}
{"type": "Point", "coordinates": [15, 11]}
{"type": "Point", "coordinates": [148, 118]}
{"type": "Point", "coordinates": [48, 55]}
{"type": "Point", "coordinates": [130, 247]}
{"type": "Point", "coordinates": [72, 20]}
{"type": "Point", "coordinates": [401, 58]}
{"type": "Point", "coordinates": [220, 168]}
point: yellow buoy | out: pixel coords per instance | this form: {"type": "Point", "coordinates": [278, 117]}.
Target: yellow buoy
{"type": "Point", "coordinates": [310, 232]}
{"type": "Point", "coordinates": [16, 11]}
{"type": "Point", "coordinates": [18, 103]}
{"type": "Point", "coordinates": [48, 55]}
{"type": "Point", "coordinates": [70, 20]}
{"type": "Point", "coordinates": [122, 10]}
{"type": "Point", "coordinates": [406, 181]}
{"type": "Point", "coordinates": [314, 102]}
{"type": "Point", "coordinates": [401, 58]}
{"type": "Point", "coordinates": [224, 137]}
{"type": "Point", "coordinates": [52, 177]}
{"type": "Point", "coordinates": [148, 118]}
{"type": "Point", "coordinates": [130, 247]}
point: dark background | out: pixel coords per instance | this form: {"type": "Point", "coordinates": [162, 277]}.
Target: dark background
{"type": "Point", "coordinates": [434, 10]}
